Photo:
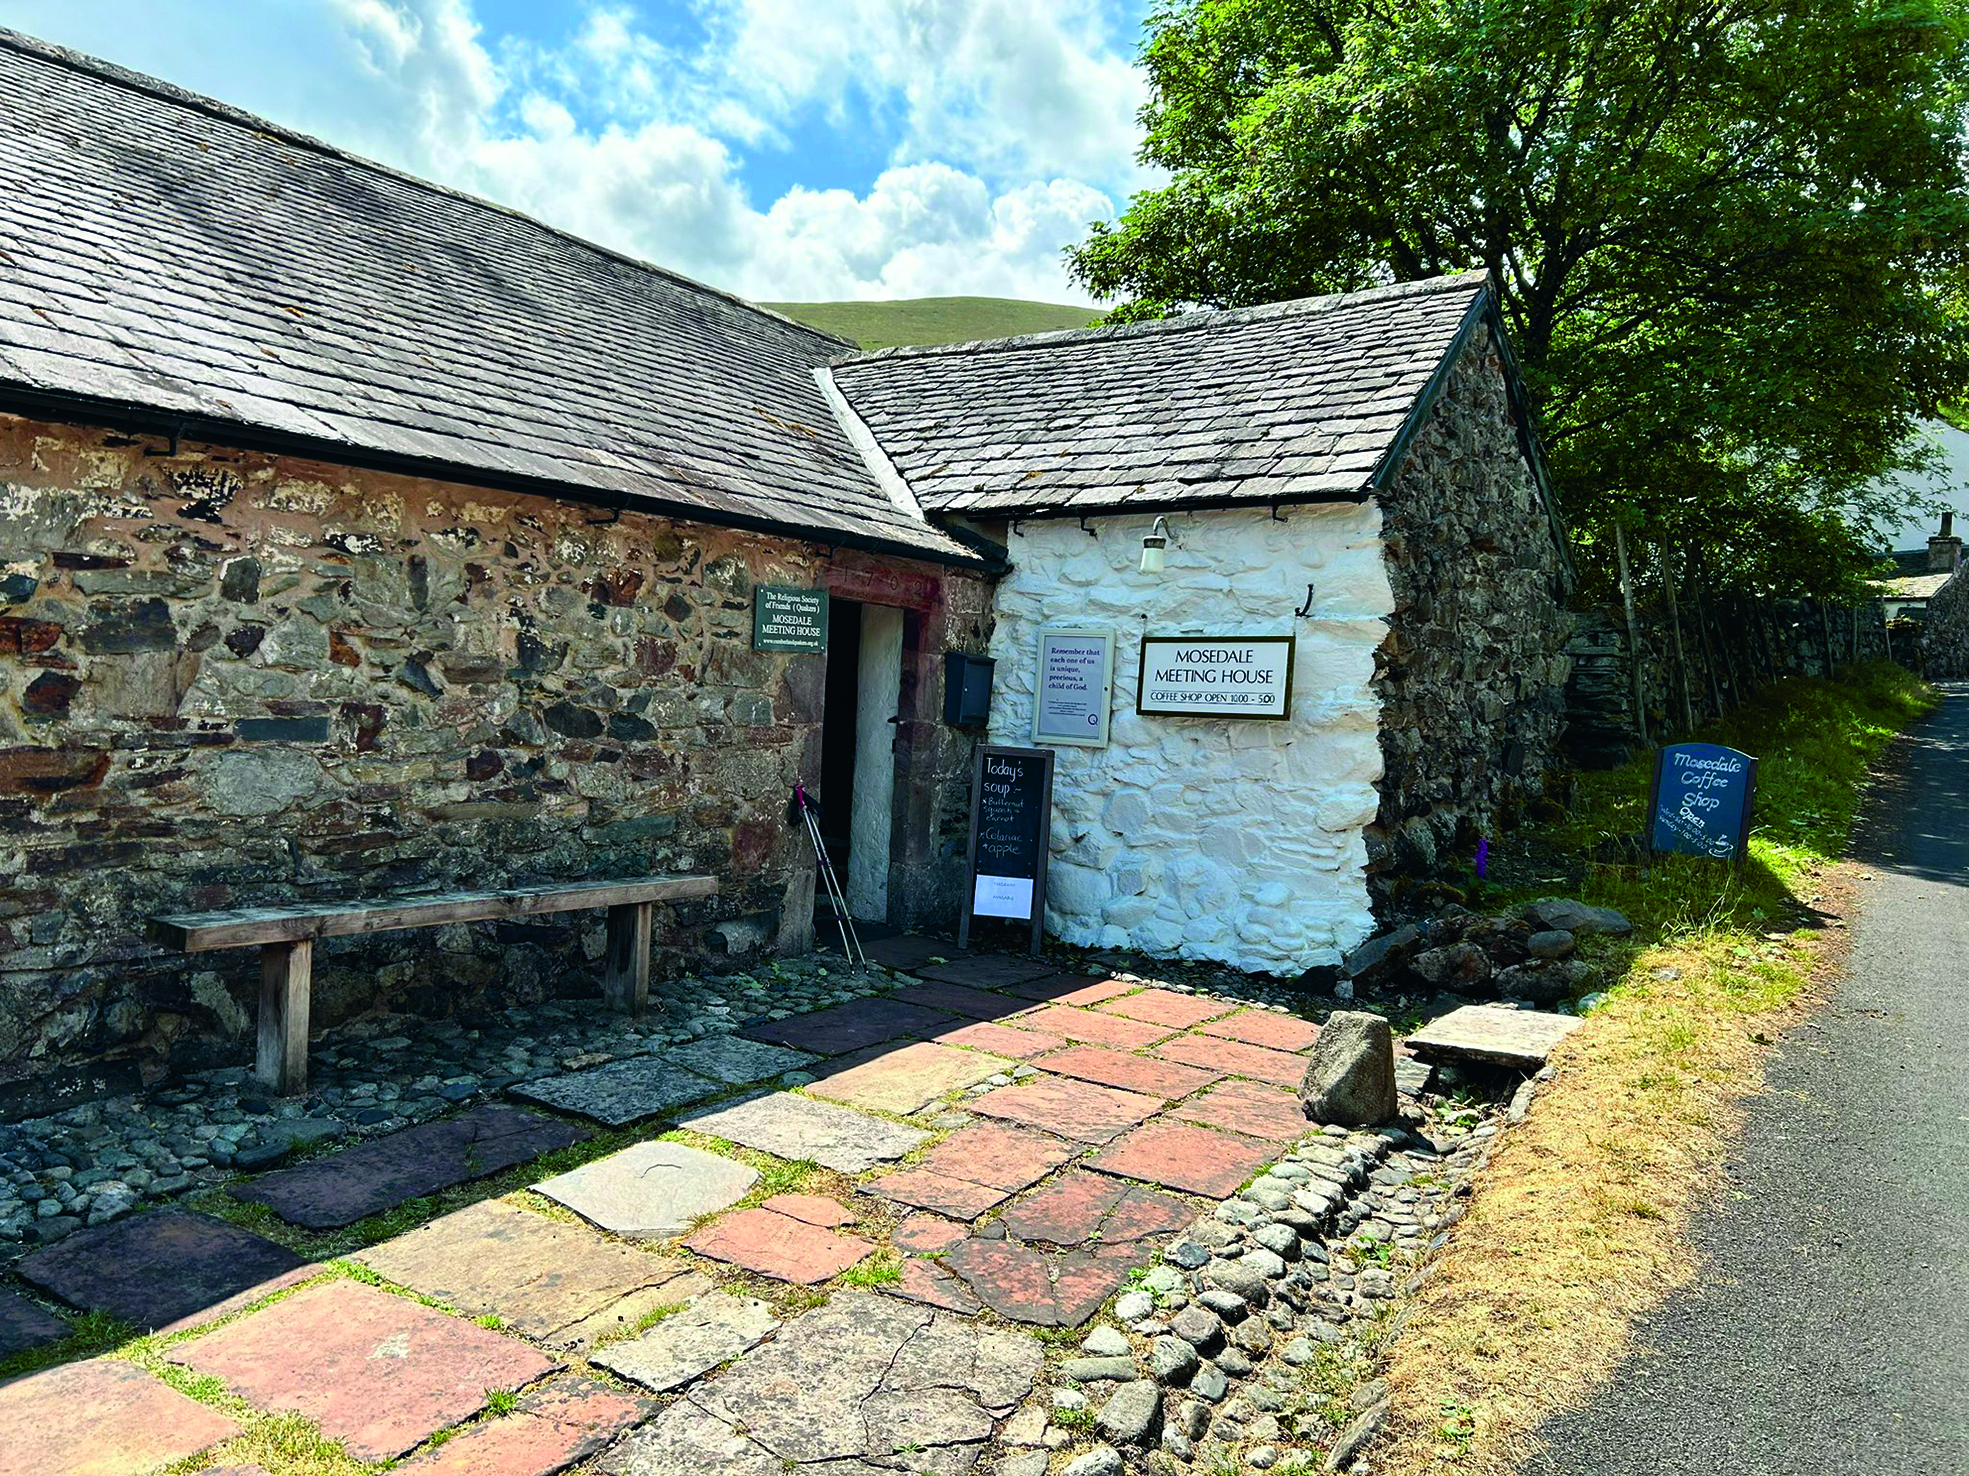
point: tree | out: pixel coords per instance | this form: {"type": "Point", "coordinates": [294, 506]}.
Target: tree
{"type": "Point", "coordinates": [1728, 237]}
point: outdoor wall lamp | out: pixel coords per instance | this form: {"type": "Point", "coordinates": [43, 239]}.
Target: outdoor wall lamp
{"type": "Point", "coordinates": [1155, 548]}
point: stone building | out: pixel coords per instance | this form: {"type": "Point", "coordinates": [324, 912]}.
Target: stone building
{"type": "Point", "coordinates": [359, 537]}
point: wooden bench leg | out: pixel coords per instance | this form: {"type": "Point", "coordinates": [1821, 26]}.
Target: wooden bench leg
{"type": "Point", "coordinates": [286, 977]}
{"type": "Point", "coordinates": [625, 979]}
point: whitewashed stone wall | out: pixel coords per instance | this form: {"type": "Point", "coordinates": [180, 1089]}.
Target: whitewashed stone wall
{"type": "Point", "coordinates": [1212, 838]}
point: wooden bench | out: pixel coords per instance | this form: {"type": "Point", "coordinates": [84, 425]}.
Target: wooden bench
{"type": "Point", "coordinates": [285, 937]}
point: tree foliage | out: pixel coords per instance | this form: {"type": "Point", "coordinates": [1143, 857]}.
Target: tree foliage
{"type": "Point", "coordinates": [1728, 236]}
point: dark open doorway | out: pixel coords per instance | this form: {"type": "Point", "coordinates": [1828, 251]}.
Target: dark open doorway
{"type": "Point", "coordinates": [836, 788]}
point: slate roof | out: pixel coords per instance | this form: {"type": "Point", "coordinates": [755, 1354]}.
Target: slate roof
{"type": "Point", "coordinates": [1299, 401]}
{"type": "Point", "coordinates": [165, 257]}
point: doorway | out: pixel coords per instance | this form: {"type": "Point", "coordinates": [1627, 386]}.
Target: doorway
{"type": "Point", "coordinates": [858, 750]}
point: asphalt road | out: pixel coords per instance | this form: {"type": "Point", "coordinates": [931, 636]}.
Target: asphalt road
{"type": "Point", "coordinates": [1828, 1330]}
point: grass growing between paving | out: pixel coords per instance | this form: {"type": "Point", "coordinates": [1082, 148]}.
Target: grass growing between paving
{"type": "Point", "coordinates": [1578, 1226]}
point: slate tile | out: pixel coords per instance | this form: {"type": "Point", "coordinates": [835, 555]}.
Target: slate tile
{"type": "Point", "coordinates": [999, 1040]}
{"type": "Point", "coordinates": [903, 1078]}
{"type": "Point", "coordinates": [989, 971]}
{"type": "Point", "coordinates": [687, 1344]}
{"type": "Point", "coordinates": [1070, 989]}
{"type": "Point", "coordinates": [651, 1190]}
{"type": "Point", "coordinates": [794, 1127]}
{"type": "Point", "coordinates": [630, 1090]}
{"type": "Point", "coordinates": [779, 1246]}
{"type": "Point", "coordinates": [102, 1417]}
{"type": "Point", "coordinates": [553, 1428]}
{"type": "Point", "coordinates": [851, 1027]}
{"type": "Point", "coordinates": [23, 1325]}
{"type": "Point", "coordinates": [958, 1198]}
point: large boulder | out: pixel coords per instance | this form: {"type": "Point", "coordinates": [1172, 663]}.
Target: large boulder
{"type": "Point", "coordinates": [1380, 956]}
{"type": "Point", "coordinates": [1563, 915]}
{"type": "Point", "coordinates": [1460, 967]}
{"type": "Point", "coordinates": [1350, 1079]}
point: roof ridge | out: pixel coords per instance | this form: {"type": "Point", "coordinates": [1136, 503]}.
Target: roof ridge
{"type": "Point", "coordinates": [1184, 322]}
{"type": "Point", "coordinates": [170, 92]}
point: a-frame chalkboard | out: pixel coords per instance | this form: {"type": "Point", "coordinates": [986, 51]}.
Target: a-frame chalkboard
{"type": "Point", "coordinates": [1011, 824]}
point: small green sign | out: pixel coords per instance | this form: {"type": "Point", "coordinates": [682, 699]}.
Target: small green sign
{"type": "Point", "coordinates": [788, 619]}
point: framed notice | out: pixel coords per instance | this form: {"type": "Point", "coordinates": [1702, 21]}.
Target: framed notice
{"type": "Point", "coordinates": [1701, 799]}
{"type": "Point", "coordinates": [785, 619]}
{"type": "Point", "coordinates": [1071, 690]}
{"type": "Point", "coordinates": [1011, 825]}
{"type": "Point", "coordinates": [1234, 676]}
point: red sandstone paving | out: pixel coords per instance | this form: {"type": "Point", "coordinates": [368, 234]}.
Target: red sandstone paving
{"type": "Point", "coordinates": [930, 1284]}
{"type": "Point", "coordinates": [922, 1234]}
{"type": "Point", "coordinates": [1078, 1208]}
{"type": "Point", "coordinates": [1180, 1156]}
{"type": "Point", "coordinates": [1018, 1282]}
{"type": "Point", "coordinates": [104, 1417]}
{"type": "Point", "coordinates": [778, 1246]}
{"type": "Point", "coordinates": [552, 1429]}
{"type": "Point", "coordinates": [1005, 1158]}
{"type": "Point", "coordinates": [1092, 1028]}
{"type": "Point", "coordinates": [1098, 1064]}
{"type": "Point", "coordinates": [1235, 1058]}
{"type": "Point", "coordinates": [1078, 1109]}
{"type": "Point", "coordinates": [989, 971]}
{"type": "Point", "coordinates": [1001, 1040]}
{"type": "Point", "coordinates": [1247, 1107]}
{"type": "Point", "coordinates": [961, 999]}
{"type": "Point", "coordinates": [958, 1198]}
{"type": "Point", "coordinates": [1264, 1028]}
{"type": "Point", "coordinates": [377, 1372]}
{"type": "Point", "coordinates": [853, 1026]}
{"type": "Point", "coordinates": [1165, 1007]}
{"type": "Point", "coordinates": [903, 1078]}
{"type": "Point", "coordinates": [1072, 989]}
{"type": "Point", "coordinates": [815, 1209]}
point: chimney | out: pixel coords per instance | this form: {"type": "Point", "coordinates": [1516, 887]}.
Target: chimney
{"type": "Point", "coordinates": [1945, 549]}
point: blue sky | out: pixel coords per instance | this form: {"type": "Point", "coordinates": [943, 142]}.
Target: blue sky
{"type": "Point", "coordinates": [784, 149]}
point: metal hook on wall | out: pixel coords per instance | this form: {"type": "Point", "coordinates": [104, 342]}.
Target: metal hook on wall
{"type": "Point", "coordinates": [1306, 609]}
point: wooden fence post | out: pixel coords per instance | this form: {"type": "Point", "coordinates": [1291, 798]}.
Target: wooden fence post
{"type": "Point", "coordinates": [1633, 635]}
{"type": "Point", "coordinates": [1675, 625]}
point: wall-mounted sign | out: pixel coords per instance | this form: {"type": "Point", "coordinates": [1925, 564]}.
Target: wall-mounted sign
{"type": "Point", "coordinates": [1011, 824]}
{"type": "Point", "coordinates": [1070, 697]}
{"type": "Point", "coordinates": [1701, 800]}
{"type": "Point", "coordinates": [1215, 676]}
{"type": "Point", "coordinates": [786, 619]}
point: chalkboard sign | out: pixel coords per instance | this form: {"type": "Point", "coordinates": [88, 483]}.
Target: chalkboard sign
{"type": "Point", "coordinates": [1011, 823]}
{"type": "Point", "coordinates": [1700, 804]}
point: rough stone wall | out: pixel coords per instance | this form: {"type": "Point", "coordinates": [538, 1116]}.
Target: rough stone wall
{"type": "Point", "coordinates": [1945, 635]}
{"type": "Point", "coordinates": [233, 679]}
{"type": "Point", "coordinates": [1209, 838]}
{"type": "Point", "coordinates": [1472, 675]}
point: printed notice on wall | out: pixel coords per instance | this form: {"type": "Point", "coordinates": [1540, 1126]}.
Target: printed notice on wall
{"type": "Point", "coordinates": [1702, 800]}
{"type": "Point", "coordinates": [786, 619]}
{"type": "Point", "coordinates": [1071, 695]}
{"type": "Point", "coordinates": [1215, 676]}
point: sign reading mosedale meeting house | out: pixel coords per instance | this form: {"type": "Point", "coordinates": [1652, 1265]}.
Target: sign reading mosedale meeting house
{"type": "Point", "coordinates": [1215, 676]}
{"type": "Point", "coordinates": [1701, 800]}
{"type": "Point", "coordinates": [786, 619]}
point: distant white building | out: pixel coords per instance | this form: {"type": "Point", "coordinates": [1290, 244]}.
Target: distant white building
{"type": "Point", "coordinates": [1948, 482]}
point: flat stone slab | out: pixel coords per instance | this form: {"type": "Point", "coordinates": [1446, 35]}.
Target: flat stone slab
{"type": "Point", "coordinates": [622, 1092]}
{"type": "Point", "coordinates": [164, 1270]}
{"type": "Point", "coordinates": [1265, 1028]}
{"type": "Point", "coordinates": [904, 1079]}
{"type": "Point", "coordinates": [780, 1246]}
{"type": "Point", "coordinates": [1165, 1079]}
{"type": "Point", "coordinates": [926, 1235]}
{"type": "Point", "coordinates": [1235, 1058]}
{"type": "Point", "coordinates": [537, 1275]}
{"type": "Point", "coordinates": [377, 1372]}
{"type": "Point", "coordinates": [1000, 1040]}
{"type": "Point", "coordinates": [1077, 1109]}
{"type": "Point", "coordinates": [1248, 1107]}
{"type": "Point", "coordinates": [651, 1191]}
{"type": "Point", "coordinates": [960, 999]}
{"type": "Point", "coordinates": [1007, 1158]}
{"type": "Point", "coordinates": [1071, 989]}
{"type": "Point", "coordinates": [552, 1428]}
{"type": "Point", "coordinates": [907, 952]}
{"type": "Point", "coordinates": [24, 1325]}
{"type": "Point", "coordinates": [1019, 1282]}
{"type": "Point", "coordinates": [734, 1060]}
{"type": "Point", "coordinates": [713, 1329]}
{"type": "Point", "coordinates": [1166, 1007]}
{"type": "Point", "coordinates": [989, 971]}
{"type": "Point", "coordinates": [928, 1283]}
{"type": "Point", "coordinates": [1091, 1027]}
{"type": "Point", "coordinates": [853, 1026]}
{"type": "Point", "coordinates": [103, 1417]}
{"type": "Point", "coordinates": [921, 1189]}
{"type": "Point", "coordinates": [1522, 1038]}
{"type": "Point", "coordinates": [1180, 1156]}
{"type": "Point", "coordinates": [794, 1127]}
{"type": "Point", "coordinates": [1080, 1209]}
{"type": "Point", "coordinates": [381, 1174]}
{"type": "Point", "coordinates": [815, 1209]}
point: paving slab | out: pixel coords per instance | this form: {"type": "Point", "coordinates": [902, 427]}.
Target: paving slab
{"type": "Point", "coordinates": [537, 1275]}
{"type": "Point", "coordinates": [961, 999]}
{"type": "Point", "coordinates": [1180, 1156]}
{"type": "Point", "coordinates": [959, 1198]}
{"type": "Point", "coordinates": [908, 952]}
{"type": "Point", "coordinates": [853, 1026]}
{"type": "Point", "coordinates": [928, 1283]}
{"type": "Point", "coordinates": [1000, 1040]}
{"type": "Point", "coordinates": [103, 1417]}
{"type": "Point", "coordinates": [344, 1187]}
{"type": "Point", "coordinates": [794, 1127]}
{"type": "Point", "coordinates": [1248, 1107]}
{"type": "Point", "coordinates": [1091, 1027]}
{"type": "Point", "coordinates": [377, 1372]}
{"type": "Point", "coordinates": [551, 1429]}
{"type": "Point", "coordinates": [1522, 1038]}
{"type": "Point", "coordinates": [23, 1325]}
{"type": "Point", "coordinates": [815, 1209]}
{"type": "Point", "coordinates": [651, 1191]}
{"type": "Point", "coordinates": [780, 1246]}
{"type": "Point", "coordinates": [714, 1328]}
{"type": "Point", "coordinates": [1167, 1007]}
{"type": "Point", "coordinates": [1078, 1209]}
{"type": "Point", "coordinates": [1235, 1058]}
{"type": "Point", "coordinates": [1099, 1064]}
{"type": "Point", "coordinates": [1071, 989]}
{"type": "Point", "coordinates": [989, 971]}
{"type": "Point", "coordinates": [922, 1234]}
{"type": "Point", "coordinates": [1020, 1282]}
{"type": "Point", "coordinates": [620, 1319]}
{"type": "Point", "coordinates": [630, 1090]}
{"type": "Point", "coordinates": [906, 1078]}
{"type": "Point", "coordinates": [1077, 1109]}
{"type": "Point", "coordinates": [165, 1270]}
{"type": "Point", "coordinates": [734, 1060]}
{"type": "Point", "coordinates": [1267, 1028]}
{"type": "Point", "coordinates": [1007, 1158]}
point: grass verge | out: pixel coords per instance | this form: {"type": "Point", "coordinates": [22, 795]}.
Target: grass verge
{"type": "Point", "coordinates": [1577, 1227]}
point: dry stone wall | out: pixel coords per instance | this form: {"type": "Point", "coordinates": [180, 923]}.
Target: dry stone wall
{"type": "Point", "coordinates": [1945, 636]}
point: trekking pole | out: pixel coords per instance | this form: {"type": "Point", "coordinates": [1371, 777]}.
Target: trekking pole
{"type": "Point", "coordinates": [837, 899]}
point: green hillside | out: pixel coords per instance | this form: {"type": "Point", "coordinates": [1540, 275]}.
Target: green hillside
{"type": "Point", "coordinates": [919, 320]}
